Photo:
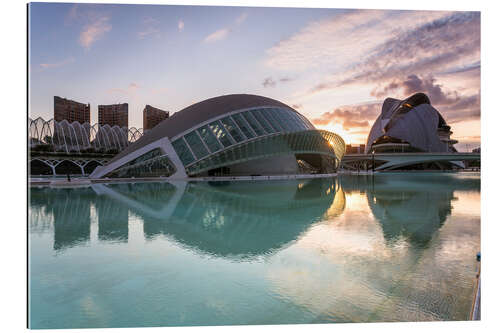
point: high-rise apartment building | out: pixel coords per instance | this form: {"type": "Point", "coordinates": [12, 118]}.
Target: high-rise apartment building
{"type": "Point", "coordinates": [71, 110]}
{"type": "Point", "coordinates": [114, 114]}
{"type": "Point", "coordinates": [152, 116]}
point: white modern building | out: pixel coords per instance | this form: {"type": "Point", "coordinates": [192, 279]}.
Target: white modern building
{"type": "Point", "coordinates": [412, 125]}
{"type": "Point", "coordinates": [231, 135]}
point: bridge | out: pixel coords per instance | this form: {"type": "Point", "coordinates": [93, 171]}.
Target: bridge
{"type": "Point", "coordinates": [53, 163]}
{"type": "Point", "coordinates": [395, 160]}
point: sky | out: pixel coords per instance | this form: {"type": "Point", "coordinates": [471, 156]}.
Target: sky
{"type": "Point", "coordinates": [335, 66]}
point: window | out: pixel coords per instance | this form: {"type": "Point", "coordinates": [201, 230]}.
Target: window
{"type": "Point", "coordinates": [232, 129]}
{"type": "Point", "coordinates": [151, 164]}
{"type": "Point", "coordinates": [196, 145]}
{"type": "Point", "coordinates": [220, 133]}
{"type": "Point", "coordinates": [208, 136]}
{"type": "Point", "coordinates": [297, 122]}
{"type": "Point", "coordinates": [272, 119]}
{"type": "Point", "coordinates": [238, 118]}
{"type": "Point", "coordinates": [183, 151]}
{"type": "Point", "coordinates": [261, 119]}
{"type": "Point", "coordinates": [285, 120]}
{"type": "Point", "coordinates": [257, 128]}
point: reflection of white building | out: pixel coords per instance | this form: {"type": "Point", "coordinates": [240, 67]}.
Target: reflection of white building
{"type": "Point", "coordinates": [229, 135]}
{"type": "Point", "coordinates": [229, 220]}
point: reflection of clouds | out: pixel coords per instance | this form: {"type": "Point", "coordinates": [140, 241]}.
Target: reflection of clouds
{"type": "Point", "coordinates": [466, 203]}
{"type": "Point", "coordinates": [345, 270]}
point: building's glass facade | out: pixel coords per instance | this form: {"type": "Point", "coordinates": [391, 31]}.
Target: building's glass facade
{"type": "Point", "coordinates": [151, 164]}
{"type": "Point", "coordinates": [239, 127]}
{"type": "Point", "coordinates": [220, 135]}
{"type": "Point", "coordinates": [324, 143]}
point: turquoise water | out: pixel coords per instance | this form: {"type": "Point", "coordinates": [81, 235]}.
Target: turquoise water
{"type": "Point", "coordinates": [394, 247]}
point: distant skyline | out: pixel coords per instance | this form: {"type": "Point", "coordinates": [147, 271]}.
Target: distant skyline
{"type": "Point", "coordinates": [335, 66]}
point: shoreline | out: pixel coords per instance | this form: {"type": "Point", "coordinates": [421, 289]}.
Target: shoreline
{"type": "Point", "coordinates": [85, 181]}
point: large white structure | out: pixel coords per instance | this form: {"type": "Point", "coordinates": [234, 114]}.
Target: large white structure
{"type": "Point", "coordinates": [75, 137]}
{"type": "Point", "coordinates": [412, 125]}
{"type": "Point", "coordinates": [229, 135]}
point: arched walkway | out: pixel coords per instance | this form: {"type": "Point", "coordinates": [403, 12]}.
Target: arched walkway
{"type": "Point", "coordinates": [90, 167]}
{"type": "Point", "coordinates": [70, 167]}
{"type": "Point", "coordinates": [38, 167]}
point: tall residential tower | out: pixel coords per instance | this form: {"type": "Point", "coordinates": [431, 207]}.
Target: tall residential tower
{"type": "Point", "coordinates": [66, 109]}
{"type": "Point", "coordinates": [152, 116]}
{"type": "Point", "coordinates": [114, 114]}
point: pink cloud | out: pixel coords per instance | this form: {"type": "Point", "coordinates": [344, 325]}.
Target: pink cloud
{"type": "Point", "coordinates": [57, 64]}
{"type": "Point", "coordinates": [94, 31]}
{"type": "Point", "coordinates": [216, 36]}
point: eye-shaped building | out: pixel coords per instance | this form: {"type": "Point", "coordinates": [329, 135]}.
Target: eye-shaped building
{"type": "Point", "coordinates": [410, 125]}
{"type": "Point", "coordinates": [231, 135]}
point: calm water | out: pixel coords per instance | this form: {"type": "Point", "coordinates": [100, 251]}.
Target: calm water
{"type": "Point", "coordinates": [394, 247]}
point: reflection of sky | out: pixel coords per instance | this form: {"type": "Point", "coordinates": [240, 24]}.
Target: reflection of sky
{"type": "Point", "coordinates": [346, 259]}
{"type": "Point", "coordinates": [334, 65]}
{"type": "Point", "coordinates": [344, 264]}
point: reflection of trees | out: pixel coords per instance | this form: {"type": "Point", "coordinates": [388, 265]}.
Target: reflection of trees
{"type": "Point", "coordinates": [240, 220]}
{"type": "Point", "coordinates": [411, 205]}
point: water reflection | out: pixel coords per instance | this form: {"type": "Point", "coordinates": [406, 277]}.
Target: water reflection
{"type": "Point", "coordinates": [385, 248]}
{"type": "Point", "coordinates": [398, 252]}
{"type": "Point", "coordinates": [242, 220]}
{"type": "Point", "coordinates": [245, 219]}
{"type": "Point", "coordinates": [113, 220]}
{"type": "Point", "coordinates": [70, 214]}
{"type": "Point", "coordinates": [410, 206]}
{"type": "Point", "coordinates": [239, 220]}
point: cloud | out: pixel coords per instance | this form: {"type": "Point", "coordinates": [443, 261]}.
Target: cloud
{"type": "Point", "coordinates": [224, 32]}
{"type": "Point", "coordinates": [378, 47]}
{"type": "Point", "coordinates": [180, 25]}
{"type": "Point", "coordinates": [351, 116]}
{"type": "Point", "coordinates": [150, 26]}
{"type": "Point", "coordinates": [240, 19]}
{"type": "Point", "coordinates": [216, 36]}
{"type": "Point", "coordinates": [466, 108]}
{"type": "Point", "coordinates": [463, 69]}
{"type": "Point", "coordinates": [269, 82]}
{"type": "Point", "coordinates": [72, 15]}
{"type": "Point", "coordinates": [453, 106]}
{"type": "Point", "coordinates": [413, 84]}
{"type": "Point", "coordinates": [94, 31]}
{"type": "Point", "coordinates": [130, 90]}
{"type": "Point", "coordinates": [337, 41]}
{"type": "Point", "coordinates": [45, 66]}
{"type": "Point", "coordinates": [148, 31]}
{"type": "Point", "coordinates": [435, 46]}
{"type": "Point", "coordinates": [297, 106]}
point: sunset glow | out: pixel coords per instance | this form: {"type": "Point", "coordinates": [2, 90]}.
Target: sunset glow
{"type": "Point", "coordinates": [335, 66]}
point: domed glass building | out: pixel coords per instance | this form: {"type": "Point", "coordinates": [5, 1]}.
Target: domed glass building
{"type": "Point", "coordinates": [231, 135]}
